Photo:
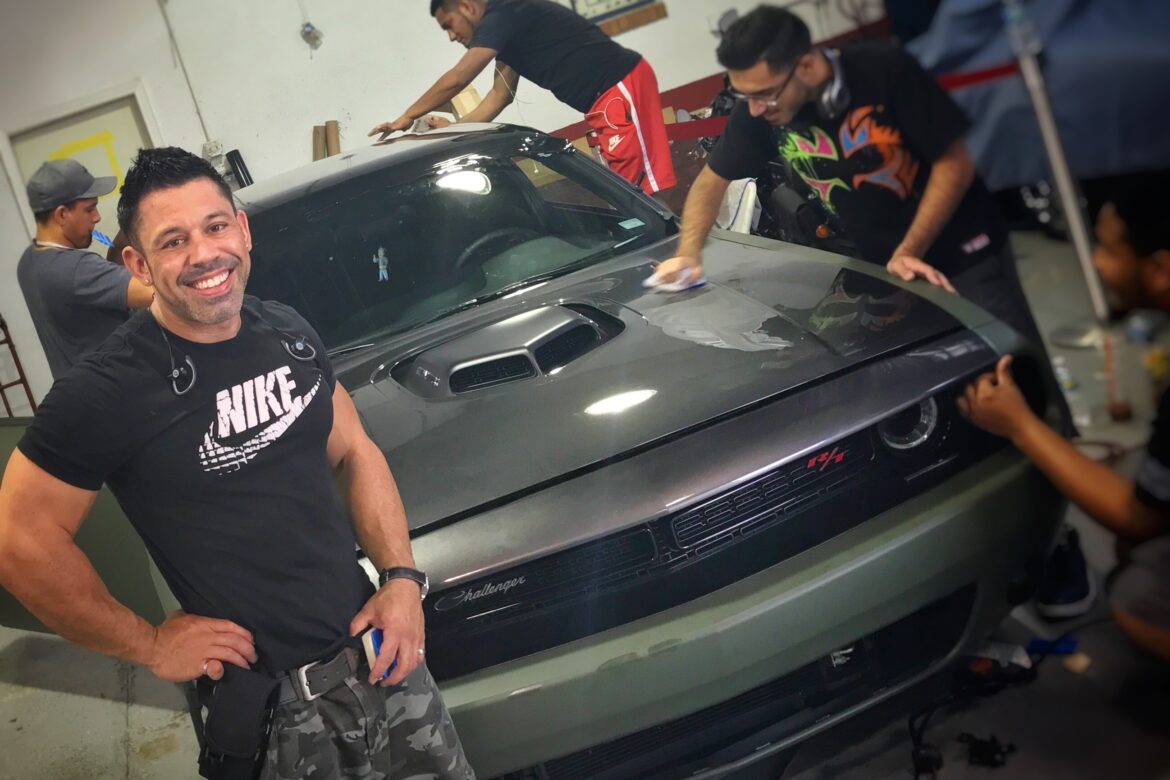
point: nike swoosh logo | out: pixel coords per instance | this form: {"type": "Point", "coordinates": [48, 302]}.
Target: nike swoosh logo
{"type": "Point", "coordinates": [219, 458]}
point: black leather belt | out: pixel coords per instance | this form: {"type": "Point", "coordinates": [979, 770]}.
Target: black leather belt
{"type": "Point", "coordinates": [313, 680]}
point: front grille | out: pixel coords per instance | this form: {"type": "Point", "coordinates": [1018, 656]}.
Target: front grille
{"type": "Point", "coordinates": [566, 347]}
{"type": "Point", "coordinates": [689, 553]}
{"type": "Point", "coordinates": [492, 372]}
{"type": "Point", "coordinates": [775, 710]}
{"type": "Point", "coordinates": [787, 490]}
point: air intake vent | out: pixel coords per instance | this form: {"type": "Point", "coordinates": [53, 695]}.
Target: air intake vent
{"type": "Point", "coordinates": [507, 350]}
{"type": "Point", "coordinates": [566, 347]}
{"type": "Point", "coordinates": [492, 372]}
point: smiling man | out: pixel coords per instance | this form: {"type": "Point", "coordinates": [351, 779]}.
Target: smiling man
{"type": "Point", "coordinates": [216, 421]}
{"type": "Point", "coordinates": [557, 49]}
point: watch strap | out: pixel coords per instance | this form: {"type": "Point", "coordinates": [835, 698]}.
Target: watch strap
{"type": "Point", "coordinates": [404, 573]}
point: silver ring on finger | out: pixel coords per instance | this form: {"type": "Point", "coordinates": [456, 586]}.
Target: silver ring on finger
{"type": "Point", "coordinates": [205, 663]}
{"type": "Point", "coordinates": [422, 651]}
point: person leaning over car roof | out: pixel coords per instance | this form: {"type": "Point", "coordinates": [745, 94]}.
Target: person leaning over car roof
{"type": "Point", "coordinates": [557, 49]}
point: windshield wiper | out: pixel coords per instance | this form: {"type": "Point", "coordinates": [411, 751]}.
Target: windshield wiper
{"type": "Point", "coordinates": [346, 350]}
{"type": "Point", "coordinates": [508, 289]}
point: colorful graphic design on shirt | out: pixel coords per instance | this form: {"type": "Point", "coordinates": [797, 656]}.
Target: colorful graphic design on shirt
{"type": "Point", "coordinates": [860, 131]}
{"type": "Point", "coordinates": [801, 154]}
{"type": "Point", "coordinates": [266, 400]}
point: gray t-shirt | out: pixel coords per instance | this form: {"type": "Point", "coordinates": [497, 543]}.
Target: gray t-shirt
{"type": "Point", "coordinates": [76, 299]}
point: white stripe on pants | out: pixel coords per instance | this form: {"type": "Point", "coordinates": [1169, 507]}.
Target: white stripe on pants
{"type": "Point", "coordinates": [641, 141]}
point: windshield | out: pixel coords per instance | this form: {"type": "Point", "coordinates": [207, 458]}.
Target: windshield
{"type": "Point", "coordinates": [383, 252]}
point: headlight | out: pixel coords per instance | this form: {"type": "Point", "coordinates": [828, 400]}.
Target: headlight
{"type": "Point", "coordinates": [910, 427]}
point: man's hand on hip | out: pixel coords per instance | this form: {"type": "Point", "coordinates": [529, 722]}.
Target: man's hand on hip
{"type": "Point", "coordinates": [907, 268]}
{"type": "Point", "coordinates": [678, 269]}
{"type": "Point", "coordinates": [188, 646]}
{"type": "Point", "coordinates": [396, 609]}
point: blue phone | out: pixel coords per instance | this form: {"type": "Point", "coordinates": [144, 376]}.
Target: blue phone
{"type": "Point", "coordinates": [372, 643]}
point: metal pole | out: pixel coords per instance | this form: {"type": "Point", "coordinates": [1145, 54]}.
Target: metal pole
{"type": "Point", "coordinates": [1026, 47]}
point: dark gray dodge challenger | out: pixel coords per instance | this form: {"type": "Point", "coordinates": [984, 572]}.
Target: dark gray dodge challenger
{"type": "Point", "coordinates": [667, 534]}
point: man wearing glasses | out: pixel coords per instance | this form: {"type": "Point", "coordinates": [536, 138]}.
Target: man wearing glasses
{"type": "Point", "coordinates": [881, 143]}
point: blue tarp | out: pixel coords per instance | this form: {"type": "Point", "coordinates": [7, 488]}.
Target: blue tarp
{"type": "Point", "coordinates": [1107, 65]}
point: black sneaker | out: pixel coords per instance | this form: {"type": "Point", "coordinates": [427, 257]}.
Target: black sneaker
{"type": "Point", "coordinates": [1068, 588]}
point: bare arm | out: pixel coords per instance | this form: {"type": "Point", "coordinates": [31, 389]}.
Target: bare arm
{"type": "Point", "coordinates": [448, 86]}
{"type": "Point", "coordinates": [994, 403]}
{"type": "Point", "coordinates": [950, 176]}
{"type": "Point", "coordinates": [379, 521]}
{"type": "Point", "coordinates": [699, 214]}
{"type": "Point", "coordinates": [42, 566]}
{"type": "Point", "coordinates": [1100, 491]}
{"type": "Point", "coordinates": [378, 516]}
{"type": "Point", "coordinates": [502, 93]}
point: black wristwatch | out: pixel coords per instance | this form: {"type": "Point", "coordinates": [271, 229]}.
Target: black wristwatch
{"type": "Point", "coordinates": [405, 573]}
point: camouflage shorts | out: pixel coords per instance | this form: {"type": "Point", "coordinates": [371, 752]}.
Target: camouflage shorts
{"type": "Point", "coordinates": [401, 732]}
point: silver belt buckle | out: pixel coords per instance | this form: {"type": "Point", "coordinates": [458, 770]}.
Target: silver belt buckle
{"type": "Point", "coordinates": [302, 682]}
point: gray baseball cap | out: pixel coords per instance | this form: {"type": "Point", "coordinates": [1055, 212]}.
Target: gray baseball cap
{"type": "Point", "coordinates": [59, 182]}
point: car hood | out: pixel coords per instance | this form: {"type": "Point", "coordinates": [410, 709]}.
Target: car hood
{"type": "Point", "coordinates": [769, 322]}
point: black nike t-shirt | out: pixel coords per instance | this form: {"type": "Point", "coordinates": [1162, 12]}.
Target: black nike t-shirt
{"type": "Point", "coordinates": [554, 48]}
{"type": "Point", "coordinates": [229, 485]}
{"type": "Point", "coordinates": [870, 165]}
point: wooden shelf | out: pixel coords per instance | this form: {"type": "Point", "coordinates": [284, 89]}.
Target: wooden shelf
{"type": "Point", "coordinates": [636, 18]}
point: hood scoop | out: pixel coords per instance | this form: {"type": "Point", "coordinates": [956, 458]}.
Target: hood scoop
{"type": "Point", "coordinates": [491, 372]}
{"type": "Point", "coordinates": [523, 346]}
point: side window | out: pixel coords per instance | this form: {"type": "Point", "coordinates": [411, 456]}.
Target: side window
{"type": "Point", "coordinates": [555, 189]}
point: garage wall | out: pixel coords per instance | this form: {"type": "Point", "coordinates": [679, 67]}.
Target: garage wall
{"type": "Point", "coordinates": [60, 56]}
{"type": "Point", "coordinates": [258, 86]}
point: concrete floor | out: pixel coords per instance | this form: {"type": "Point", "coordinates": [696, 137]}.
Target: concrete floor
{"type": "Point", "coordinates": [65, 713]}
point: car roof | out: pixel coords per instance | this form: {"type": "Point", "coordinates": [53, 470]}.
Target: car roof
{"type": "Point", "coordinates": [408, 146]}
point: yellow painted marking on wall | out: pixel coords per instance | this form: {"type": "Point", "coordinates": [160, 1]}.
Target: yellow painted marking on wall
{"type": "Point", "coordinates": [105, 140]}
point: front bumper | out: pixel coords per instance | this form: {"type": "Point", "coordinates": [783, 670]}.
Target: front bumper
{"type": "Point", "coordinates": [983, 527]}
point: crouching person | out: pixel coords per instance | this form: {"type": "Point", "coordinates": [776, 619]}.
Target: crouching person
{"type": "Point", "coordinates": [1133, 258]}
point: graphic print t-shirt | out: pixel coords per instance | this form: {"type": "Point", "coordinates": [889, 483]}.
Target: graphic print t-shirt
{"type": "Point", "coordinates": [229, 485]}
{"type": "Point", "coordinates": [870, 165]}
